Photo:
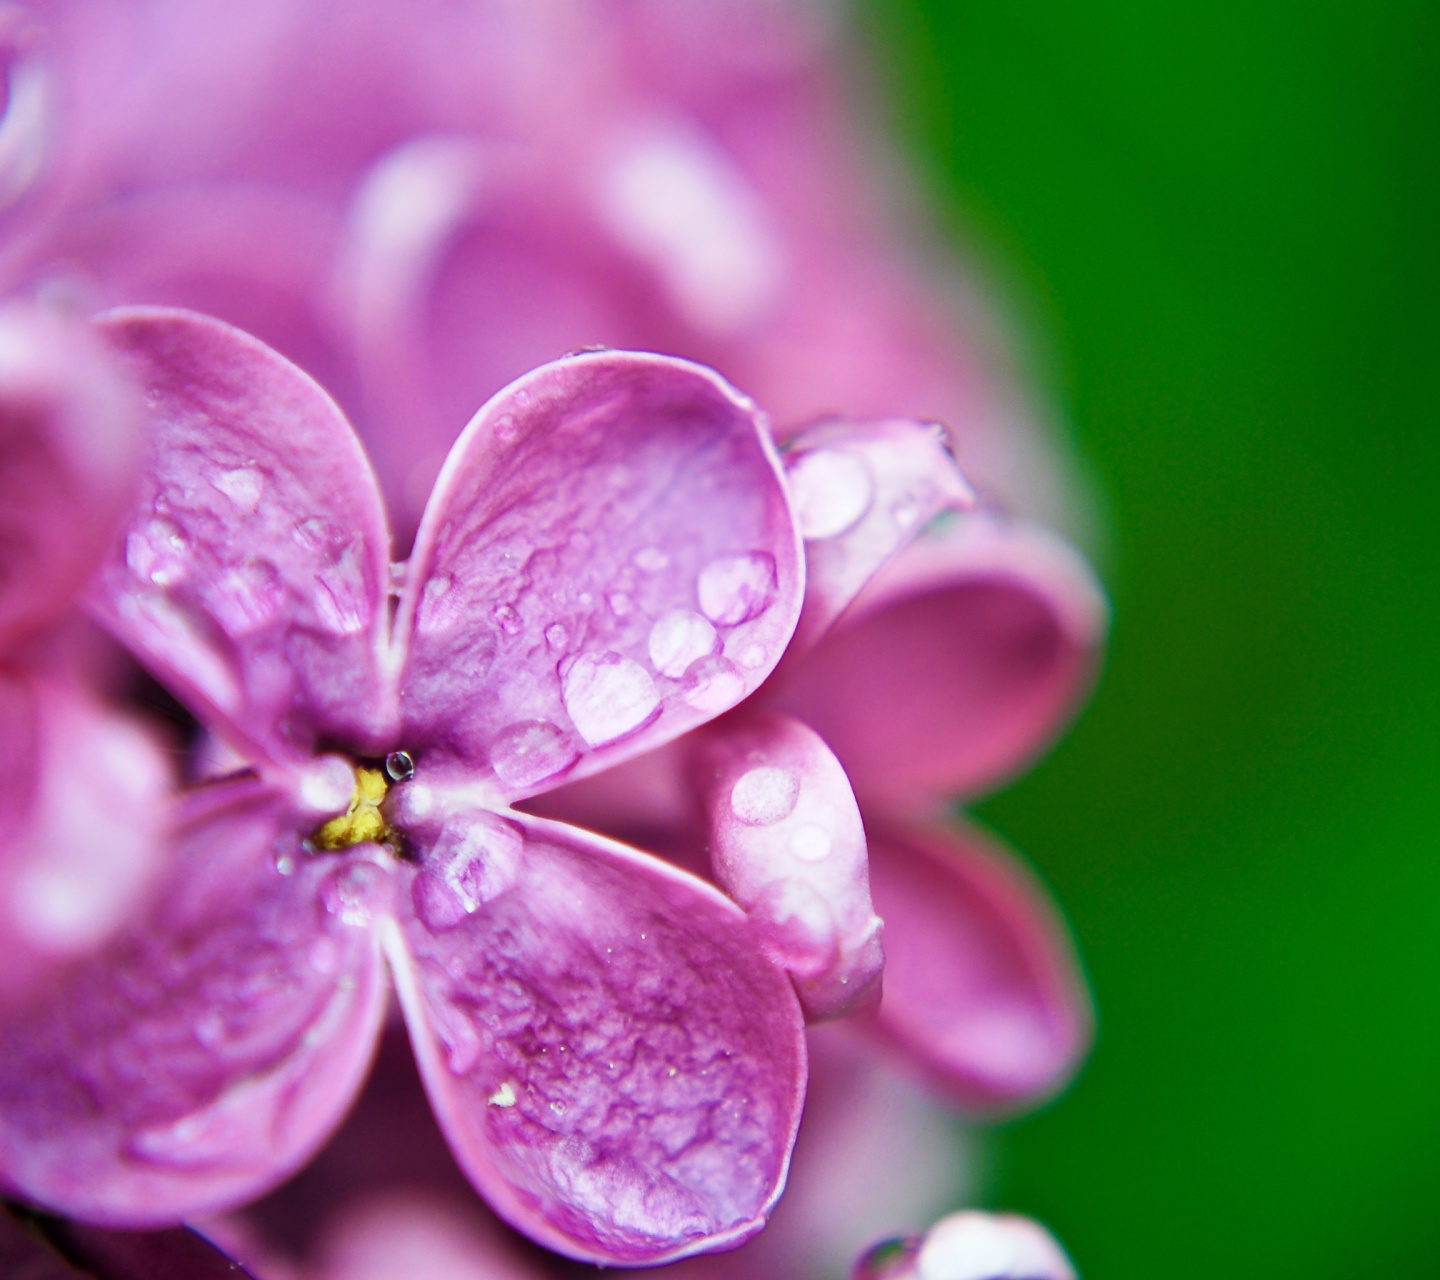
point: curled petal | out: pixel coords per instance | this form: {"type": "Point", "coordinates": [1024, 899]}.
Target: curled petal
{"type": "Point", "coordinates": [981, 982]}
{"type": "Point", "coordinates": [862, 492]}
{"type": "Point", "coordinates": [615, 1065]}
{"type": "Point", "coordinates": [208, 1051]}
{"type": "Point", "coordinates": [83, 827]}
{"type": "Point", "coordinates": [608, 559]}
{"type": "Point", "coordinates": [252, 574]}
{"type": "Point", "coordinates": [787, 844]}
{"type": "Point", "coordinates": [962, 661]}
{"type": "Point", "coordinates": [69, 443]}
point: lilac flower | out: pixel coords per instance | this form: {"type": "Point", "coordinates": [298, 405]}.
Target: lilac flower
{"type": "Point", "coordinates": [615, 1065]}
{"type": "Point", "coordinates": [970, 1246]}
{"type": "Point", "coordinates": [79, 832]}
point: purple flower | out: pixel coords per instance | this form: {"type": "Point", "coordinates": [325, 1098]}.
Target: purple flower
{"type": "Point", "coordinates": [970, 1246]}
{"type": "Point", "coordinates": [79, 818]}
{"type": "Point", "coordinates": [615, 1064]}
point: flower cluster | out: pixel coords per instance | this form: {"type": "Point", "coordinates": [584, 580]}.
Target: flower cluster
{"type": "Point", "coordinates": [607, 741]}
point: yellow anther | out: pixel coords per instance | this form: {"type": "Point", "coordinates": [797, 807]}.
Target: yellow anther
{"type": "Point", "coordinates": [362, 821]}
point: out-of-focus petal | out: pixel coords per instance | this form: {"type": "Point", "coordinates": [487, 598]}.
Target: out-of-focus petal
{"type": "Point", "coordinates": [27, 109]}
{"type": "Point", "coordinates": [69, 442]}
{"type": "Point", "coordinates": [252, 575]}
{"type": "Point", "coordinates": [84, 826]}
{"type": "Point", "coordinates": [982, 986]}
{"type": "Point", "coordinates": [211, 1048]}
{"type": "Point", "coordinates": [965, 658]}
{"type": "Point", "coordinates": [970, 1246]}
{"type": "Point", "coordinates": [608, 560]}
{"type": "Point", "coordinates": [786, 842]}
{"type": "Point", "coordinates": [862, 491]}
{"type": "Point", "coordinates": [614, 1063]}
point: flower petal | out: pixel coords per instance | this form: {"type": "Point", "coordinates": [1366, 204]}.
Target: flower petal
{"type": "Point", "coordinates": [253, 573]}
{"type": "Point", "coordinates": [961, 662]}
{"type": "Point", "coordinates": [862, 491]}
{"type": "Point", "coordinates": [206, 1053]}
{"type": "Point", "coordinates": [615, 1064]}
{"type": "Point", "coordinates": [608, 559]}
{"type": "Point", "coordinates": [981, 981]}
{"type": "Point", "coordinates": [69, 442]}
{"type": "Point", "coordinates": [787, 844]}
{"type": "Point", "coordinates": [81, 827]}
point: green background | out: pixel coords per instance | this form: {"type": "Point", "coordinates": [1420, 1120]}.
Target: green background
{"type": "Point", "coordinates": [1221, 224]}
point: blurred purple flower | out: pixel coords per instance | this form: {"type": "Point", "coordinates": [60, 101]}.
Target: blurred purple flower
{"type": "Point", "coordinates": [80, 833]}
{"type": "Point", "coordinates": [970, 1246]}
{"type": "Point", "coordinates": [615, 1064]}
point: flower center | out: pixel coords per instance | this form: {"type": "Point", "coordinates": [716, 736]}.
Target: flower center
{"type": "Point", "coordinates": [363, 822]}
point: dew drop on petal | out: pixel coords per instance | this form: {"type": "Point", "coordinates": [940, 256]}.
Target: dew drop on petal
{"type": "Point", "coordinates": [734, 589]}
{"type": "Point", "coordinates": [810, 842]}
{"type": "Point", "coordinates": [607, 696]}
{"type": "Point", "coordinates": [157, 552]}
{"type": "Point", "coordinates": [507, 618]}
{"type": "Point", "coordinates": [440, 604]}
{"type": "Point", "coordinates": [400, 766]}
{"type": "Point", "coordinates": [621, 605]}
{"type": "Point", "coordinates": [752, 656]}
{"type": "Point", "coordinates": [528, 752]}
{"type": "Point", "coordinates": [556, 637]}
{"type": "Point", "coordinates": [713, 685]}
{"type": "Point", "coordinates": [242, 485]}
{"type": "Point", "coordinates": [831, 490]}
{"type": "Point", "coordinates": [246, 596]}
{"type": "Point", "coordinates": [339, 598]}
{"type": "Point", "coordinates": [506, 428]}
{"type": "Point", "coordinates": [677, 639]}
{"type": "Point", "coordinates": [650, 559]}
{"type": "Point", "coordinates": [764, 795]}
{"type": "Point", "coordinates": [474, 861]}
{"type": "Point", "coordinates": [349, 894]}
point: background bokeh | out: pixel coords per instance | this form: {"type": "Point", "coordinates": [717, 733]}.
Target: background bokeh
{"type": "Point", "coordinates": [1219, 226]}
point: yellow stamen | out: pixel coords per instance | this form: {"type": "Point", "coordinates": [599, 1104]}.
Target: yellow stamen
{"type": "Point", "coordinates": [362, 821]}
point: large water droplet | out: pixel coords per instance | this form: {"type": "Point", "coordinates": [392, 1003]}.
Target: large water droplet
{"type": "Point", "coordinates": [607, 696]}
{"type": "Point", "coordinates": [831, 490]}
{"type": "Point", "coordinates": [475, 860]}
{"type": "Point", "coordinates": [528, 752]}
{"type": "Point", "coordinates": [340, 600]}
{"type": "Point", "coordinates": [734, 589]}
{"type": "Point", "coordinates": [677, 639]}
{"type": "Point", "coordinates": [713, 685]}
{"type": "Point", "coordinates": [556, 637]}
{"type": "Point", "coordinates": [350, 894]}
{"type": "Point", "coordinates": [242, 485]}
{"type": "Point", "coordinates": [440, 604]}
{"type": "Point", "coordinates": [764, 795]}
{"type": "Point", "coordinates": [157, 551]}
{"type": "Point", "coordinates": [246, 596]}
{"type": "Point", "coordinates": [507, 618]}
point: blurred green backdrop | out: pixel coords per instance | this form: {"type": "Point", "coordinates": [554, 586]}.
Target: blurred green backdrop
{"type": "Point", "coordinates": [1223, 224]}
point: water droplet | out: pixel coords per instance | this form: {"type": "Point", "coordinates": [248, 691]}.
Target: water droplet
{"type": "Point", "coordinates": [473, 862]}
{"type": "Point", "coordinates": [677, 639]}
{"type": "Point", "coordinates": [522, 399]}
{"type": "Point", "coordinates": [556, 637]}
{"type": "Point", "coordinates": [763, 796]}
{"type": "Point", "coordinates": [340, 599]}
{"type": "Point", "coordinates": [831, 490]}
{"type": "Point", "coordinates": [607, 696]}
{"type": "Point", "coordinates": [507, 617]}
{"type": "Point", "coordinates": [585, 599]}
{"type": "Point", "coordinates": [350, 893]}
{"type": "Point", "coordinates": [620, 604]}
{"type": "Point", "coordinates": [528, 752]}
{"type": "Point", "coordinates": [810, 842]}
{"type": "Point", "coordinates": [713, 685]}
{"type": "Point", "coordinates": [157, 552]}
{"type": "Point", "coordinates": [246, 596]}
{"type": "Point", "coordinates": [752, 656]}
{"type": "Point", "coordinates": [906, 510]}
{"type": "Point", "coordinates": [400, 766]}
{"type": "Point", "coordinates": [314, 534]}
{"type": "Point", "coordinates": [504, 1096]}
{"type": "Point", "coordinates": [650, 559]}
{"type": "Point", "coordinates": [242, 485]}
{"type": "Point", "coordinates": [734, 589]}
{"type": "Point", "coordinates": [506, 428]}
{"type": "Point", "coordinates": [284, 864]}
{"type": "Point", "coordinates": [440, 604]}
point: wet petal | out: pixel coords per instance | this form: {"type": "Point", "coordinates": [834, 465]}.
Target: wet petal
{"type": "Point", "coordinates": [862, 492]}
{"type": "Point", "coordinates": [981, 982]}
{"type": "Point", "coordinates": [69, 443]}
{"type": "Point", "coordinates": [252, 575]}
{"type": "Point", "coordinates": [617, 1067]}
{"type": "Point", "coordinates": [961, 662]}
{"type": "Point", "coordinates": [787, 844]}
{"type": "Point", "coordinates": [82, 821]}
{"type": "Point", "coordinates": [208, 1052]}
{"type": "Point", "coordinates": [608, 560]}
